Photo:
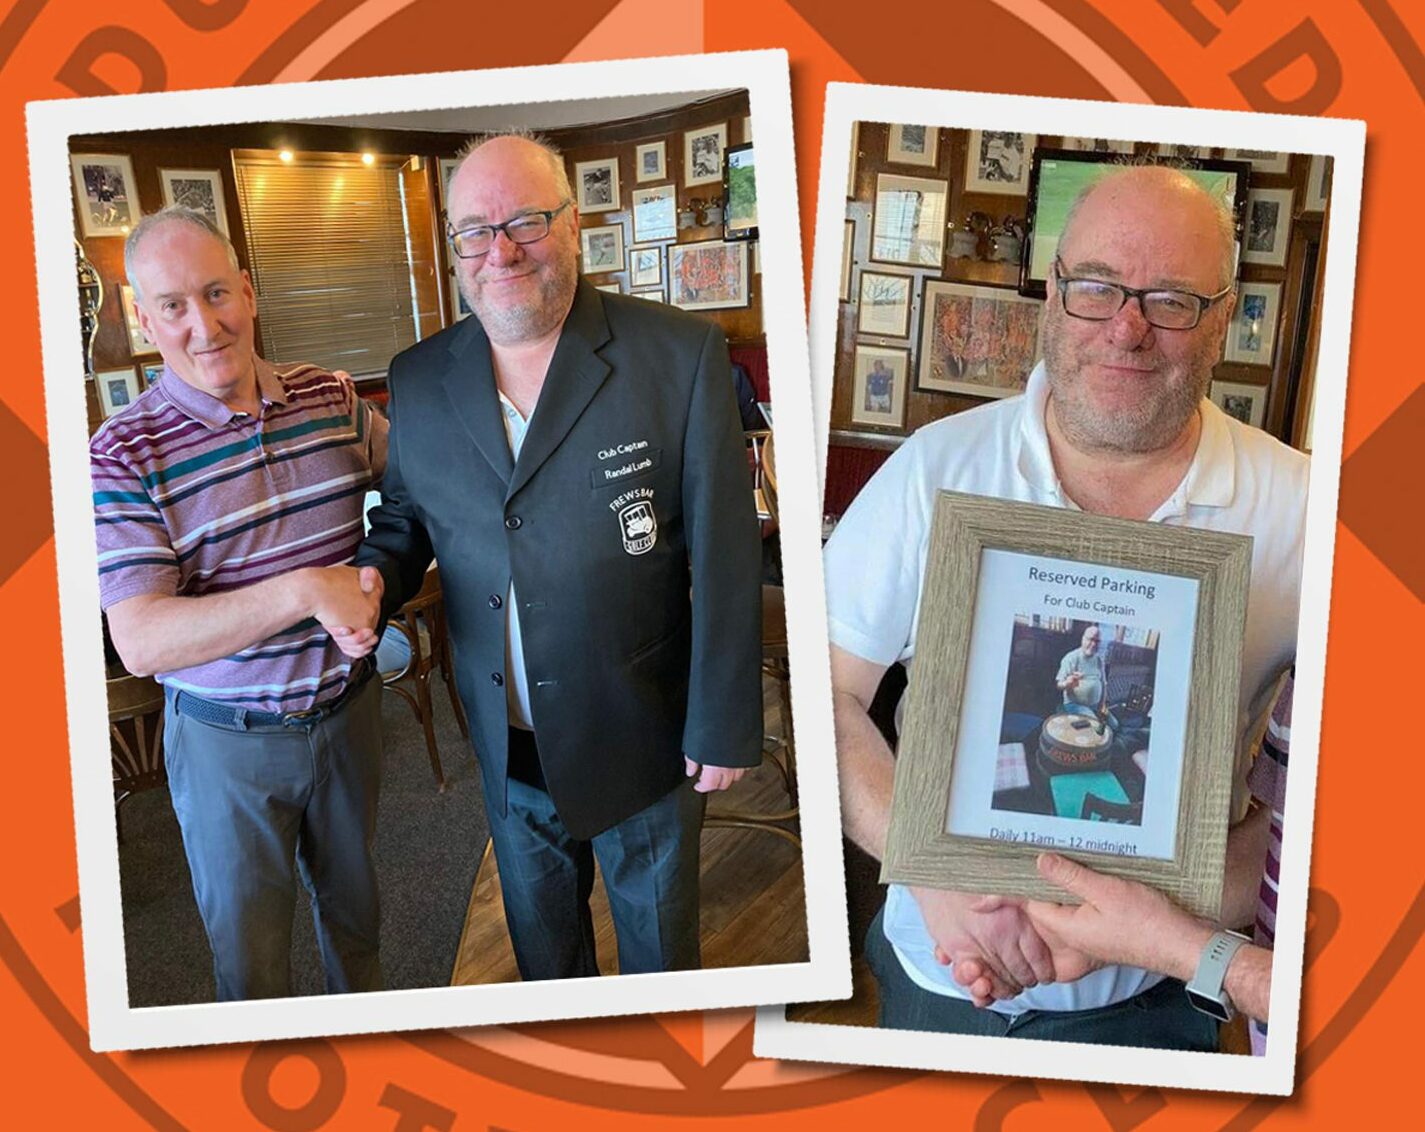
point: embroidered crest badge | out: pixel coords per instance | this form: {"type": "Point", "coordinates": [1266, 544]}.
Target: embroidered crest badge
{"type": "Point", "coordinates": [639, 527]}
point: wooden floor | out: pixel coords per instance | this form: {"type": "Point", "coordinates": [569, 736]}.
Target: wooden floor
{"type": "Point", "coordinates": [753, 899]}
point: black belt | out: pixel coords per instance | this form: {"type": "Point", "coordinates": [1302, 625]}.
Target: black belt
{"type": "Point", "coordinates": [240, 719]}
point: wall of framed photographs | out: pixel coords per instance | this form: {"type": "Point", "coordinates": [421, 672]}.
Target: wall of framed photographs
{"type": "Point", "coordinates": [930, 273]}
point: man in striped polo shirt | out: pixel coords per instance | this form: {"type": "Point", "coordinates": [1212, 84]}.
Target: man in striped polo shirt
{"type": "Point", "coordinates": [227, 500]}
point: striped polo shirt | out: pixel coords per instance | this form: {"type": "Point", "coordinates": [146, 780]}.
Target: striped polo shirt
{"type": "Point", "coordinates": [192, 498]}
{"type": "Point", "coordinates": [1267, 781]}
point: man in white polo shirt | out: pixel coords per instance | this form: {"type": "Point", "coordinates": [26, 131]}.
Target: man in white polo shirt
{"type": "Point", "coordinates": [1114, 422]}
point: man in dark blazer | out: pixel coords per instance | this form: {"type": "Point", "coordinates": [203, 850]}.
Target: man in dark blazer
{"type": "Point", "coordinates": [574, 462]}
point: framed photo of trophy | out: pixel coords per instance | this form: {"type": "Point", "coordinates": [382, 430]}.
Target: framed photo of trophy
{"type": "Point", "coordinates": [1083, 701]}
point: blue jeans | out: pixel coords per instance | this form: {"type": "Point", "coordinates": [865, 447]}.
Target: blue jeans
{"type": "Point", "coordinates": [1159, 1018]}
{"type": "Point", "coordinates": [259, 806]}
{"type": "Point", "coordinates": [650, 867]}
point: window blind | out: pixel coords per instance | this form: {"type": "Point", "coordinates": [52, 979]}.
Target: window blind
{"type": "Point", "coordinates": [330, 261]}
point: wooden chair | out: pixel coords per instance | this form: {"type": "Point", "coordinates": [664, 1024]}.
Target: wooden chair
{"type": "Point", "coordinates": [422, 622]}
{"type": "Point", "coordinates": [135, 737]}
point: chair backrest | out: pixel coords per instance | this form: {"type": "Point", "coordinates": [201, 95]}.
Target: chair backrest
{"type": "Point", "coordinates": [136, 732]}
{"type": "Point", "coordinates": [764, 473]}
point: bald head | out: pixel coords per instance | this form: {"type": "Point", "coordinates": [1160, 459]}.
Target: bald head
{"type": "Point", "coordinates": [515, 145]}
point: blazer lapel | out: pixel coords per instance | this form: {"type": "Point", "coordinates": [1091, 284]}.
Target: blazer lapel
{"type": "Point", "coordinates": [575, 373]}
{"type": "Point", "coordinates": [469, 382]}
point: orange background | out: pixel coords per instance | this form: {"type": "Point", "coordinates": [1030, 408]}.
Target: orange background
{"type": "Point", "coordinates": [1350, 58]}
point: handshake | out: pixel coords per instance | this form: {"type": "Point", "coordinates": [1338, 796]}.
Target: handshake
{"type": "Point", "coordinates": [346, 600]}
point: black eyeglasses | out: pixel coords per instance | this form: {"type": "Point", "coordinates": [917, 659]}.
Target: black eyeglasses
{"type": "Point", "coordinates": [1098, 300]}
{"type": "Point", "coordinates": [528, 228]}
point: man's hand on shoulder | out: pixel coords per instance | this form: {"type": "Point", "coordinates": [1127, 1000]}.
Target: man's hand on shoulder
{"type": "Point", "coordinates": [712, 778]}
{"type": "Point", "coordinates": [347, 602]}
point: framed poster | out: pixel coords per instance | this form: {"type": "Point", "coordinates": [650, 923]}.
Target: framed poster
{"type": "Point", "coordinates": [1246, 403]}
{"type": "Point", "coordinates": [878, 388]}
{"type": "Point", "coordinates": [1074, 688]}
{"type": "Point", "coordinates": [596, 185]}
{"type": "Point", "coordinates": [977, 340]}
{"type": "Point", "coordinates": [913, 145]}
{"type": "Point", "coordinates": [1268, 228]}
{"type": "Point", "coordinates": [908, 221]}
{"type": "Point", "coordinates": [105, 192]}
{"type": "Point", "coordinates": [198, 189]}
{"type": "Point", "coordinates": [740, 193]}
{"type": "Point", "coordinates": [602, 249]}
{"type": "Point", "coordinates": [702, 155]}
{"type": "Point", "coordinates": [1261, 160]}
{"type": "Point", "coordinates": [138, 341]}
{"type": "Point", "coordinates": [1252, 334]}
{"type": "Point", "coordinates": [884, 306]}
{"type": "Point", "coordinates": [1318, 184]}
{"type": "Point", "coordinates": [650, 161]}
{"type": "Point", "coordinates": [707, 275]}
{"type": "Point", "coordinates": [117, 389]}
{"type": "Point", "coordinates": [645, 267]}
{"type": "Point", "coordinates": [655, 213]}
{"type": "Point", "coordinates": [998, 162]}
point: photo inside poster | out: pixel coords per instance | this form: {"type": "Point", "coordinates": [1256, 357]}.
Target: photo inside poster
{"type": "Point", "coordinates": [1076, 699]}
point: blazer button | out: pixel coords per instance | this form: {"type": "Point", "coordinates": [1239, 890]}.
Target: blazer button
{"type": "Point", "coordinates": [513, 523]}
{"type": "Point", "coordinates": [496, 601]}
{"type": "Point", "coordinates": [496, 679]}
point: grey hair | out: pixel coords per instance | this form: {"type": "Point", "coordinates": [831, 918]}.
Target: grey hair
{"type": "Point", "coordinates": [1224, 221]}
{"type": "Point", "coordinates": [536, 139]}
{"type": "Point", "coordinates": [174, 213]}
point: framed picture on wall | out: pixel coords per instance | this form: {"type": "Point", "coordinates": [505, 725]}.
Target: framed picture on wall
{"type": "Point", "coordinates": [612, 288]}
{"type": "Point", "coordinates": [654, 295]}
{"type": "Point", "coordinates": [1099, 145]}
{"type": "Point", "coordinates": [1247, 403]}
{"type": "Point", "coordinates": [655, 213]}
{"type": "Point", "coordinates": [645, 267]}
{"type": "Point", "coordinates": [105, 192]}
{"type": "Point", "coordinates": [908, 221]}
{"type": "Point", "coordinates": [1268, 228]}
{"type": "Point", "coordinates": [198, 189]}
{"type": "Point", "coordinates": [884, 306]}
{"type": "Point", "coordinates": [851, 164]}
{"type": "Point", "coordinates": [117, 389]}
{"type": "Point", "coordinates": [138, 341]}
{"type": "Point", "coordinates": [1318, 184]}
{"type": "Point", "coordinates": [913, 145]}
{"type": "Point", "coordinates": [602, 249]}
{"type": "Point", "coordinates": [848, 247]}
{"type": "Point", "coordinates": [880, 377]}
{"type": "Point", "coordinates": [447, 170]}
{"type": "Point", "coordinates": [596, 185]}
{"type": "Point", "coordinates": [150, 372]}
{"type": "Point", "coordinates": [650, 161]}
{"type": "Point", "coordinates": [707, 275]}
{"type": "Point", "coordinates": [977, 340]}
{"type": "Point", "coordinates": [997, 161]}
{"type": "Point", "coordinates": [1252, 334]}
{"type": "Point", "coordinates": [1020, 730]}
{"type": "Point", "coordinates": [1261, 160]}
{"type": "Point", "coordinates": [702, 154]}
{"type": "Point", "coordinates": [1184, 152]}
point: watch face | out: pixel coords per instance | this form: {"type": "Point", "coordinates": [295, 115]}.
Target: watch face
{"type": "Point", "coordinates": [1209, 1006]}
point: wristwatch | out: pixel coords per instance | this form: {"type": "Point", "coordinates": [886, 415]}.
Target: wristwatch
{"type": "Point", "coordinates": [1205, 990]}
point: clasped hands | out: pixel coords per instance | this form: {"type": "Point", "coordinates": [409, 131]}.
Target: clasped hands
{"type": "Point", "coordinates": [1002, 945]}
{"type": "Point", "coordinates": [346, 600]}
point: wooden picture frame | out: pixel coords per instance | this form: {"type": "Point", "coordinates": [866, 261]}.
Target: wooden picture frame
{"type": "Point", "coordinates": [650, 161]}
{"type": "Point", "coordinates": [139, 345]}
{"type": "Point", "coordinates": [117, 389]}
{"type": "Point", "coordinates": [702, 155]}
{"type": "Point", "coordinates": [851, 163]}
{"type": "Point", "coordinates": [601, 249]}
{"type": "Point", "coordinates": [1262, 161]}
{"type": "Point", "coordinates": [105, 193]}
{"type": "Point", "coordinates": [913, 145]}
{"type": "Point", "coordinates": [987, 556]}
{"type": "Point", "coordinates": [883, 304]}
{"type": "Point", "coordinates": [848, 249]}
{"type": "Point", "coordinates": [1099, 145]}
{"type": "Point", "coordinates": [655, 213]}
{"type": "Point", "coordinates": [149, 373]}
{"type": "Point", "coordinates": [1183, 152]}
{"type": "Point", "coordinates": [1243, 402]}
{"type": "Point", "coordinates": [198, 189]}
{"type": "Point", "coordinates": [880, 375]}
{"type": "Point", "coordinates": [1252, 333]}
{"type": "Point", "coordinates": [1267, 230]}
{"type": "Point", "coordinates": [596, 187]}
{"type": "Point", "coordinates": [645, 267]}
{"type": "Point", "coordinates": [653, 295]}
{"type": "Point", "coordinates": [1318, 184]}
{"type": "Point", "coordinates": [708, 275]}
{"type": "Point", "coordinates": [997, 161]}
{"type": "Point", "coordinates": [977, 340]}
{"type": "Point", "coordinates": [908, 221]}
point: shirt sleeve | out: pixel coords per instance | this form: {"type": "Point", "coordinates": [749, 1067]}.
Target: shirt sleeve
{"type": "Point", "coordinates": [135, 553]}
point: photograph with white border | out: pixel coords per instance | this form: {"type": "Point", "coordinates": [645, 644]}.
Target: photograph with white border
{"type": "Point", "coordinates": [873, 591]}
{"type": "Point", "coordinates": [471, 103]}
